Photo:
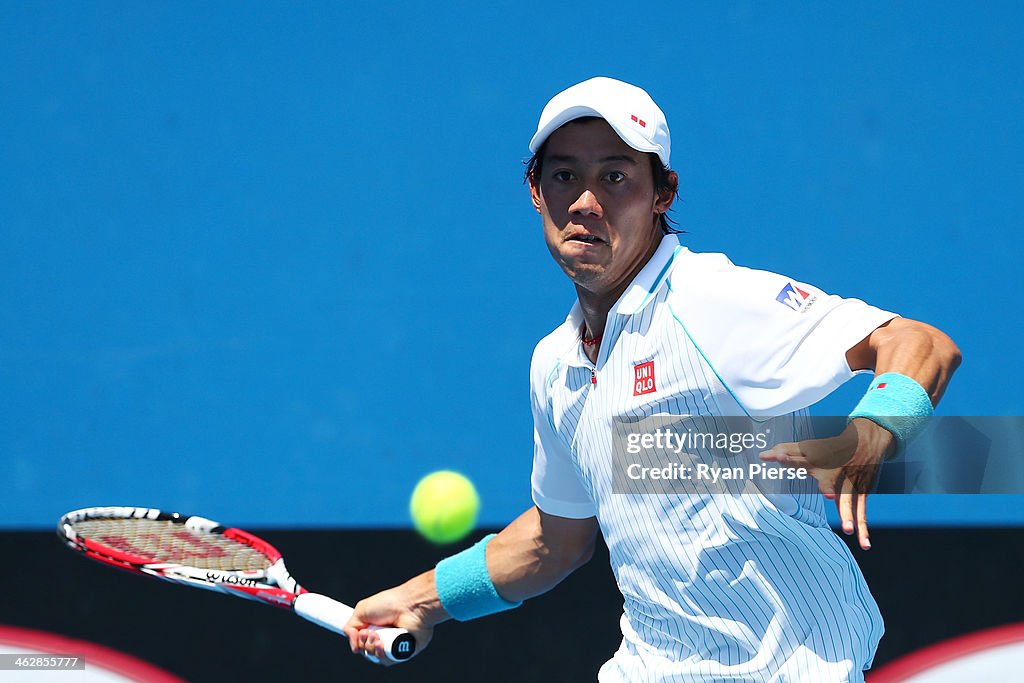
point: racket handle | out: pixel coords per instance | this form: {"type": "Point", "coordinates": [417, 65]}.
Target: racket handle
{"type": "Point", "coordinates": [323, 611]}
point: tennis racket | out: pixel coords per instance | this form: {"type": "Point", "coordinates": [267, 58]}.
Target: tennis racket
{"type": "Point", "coordinates": [198, 552]}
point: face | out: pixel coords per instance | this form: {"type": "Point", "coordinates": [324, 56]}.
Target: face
{"type": "Point", "coordinates": [596, 198]}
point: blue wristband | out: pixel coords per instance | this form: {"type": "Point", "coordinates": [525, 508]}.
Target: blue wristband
{"type": "Point", "coordinates": [465, 587]}
{"type": "Point", "coordinates": [897, 403]}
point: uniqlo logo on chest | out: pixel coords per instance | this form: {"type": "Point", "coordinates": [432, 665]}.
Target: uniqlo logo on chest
{"type": "Point", "coordinates": [643, 378]}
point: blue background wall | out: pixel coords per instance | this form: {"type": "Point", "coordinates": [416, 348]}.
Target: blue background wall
{"type": "Point", "coordinates": [273, 263]}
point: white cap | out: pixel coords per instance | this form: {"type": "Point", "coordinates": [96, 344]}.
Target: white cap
{"type": "Point", "coordinates": [629, 110]}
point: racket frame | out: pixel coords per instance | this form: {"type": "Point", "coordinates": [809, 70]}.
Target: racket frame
{"type": "Point", "coordinates": [273, 585]}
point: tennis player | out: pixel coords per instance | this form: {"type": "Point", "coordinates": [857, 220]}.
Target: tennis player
{"type": "Point", "coordinates": [716, 587]}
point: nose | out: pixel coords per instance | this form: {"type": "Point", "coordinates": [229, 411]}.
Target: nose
{"type": "Point", "coordinates": [586, 204]}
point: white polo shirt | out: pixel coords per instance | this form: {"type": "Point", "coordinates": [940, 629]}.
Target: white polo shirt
{"type": "Point", "coordinates": [746, 587]}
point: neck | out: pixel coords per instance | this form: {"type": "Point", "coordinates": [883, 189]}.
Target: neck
{"type": "Point", "coordinates": [597, 304]}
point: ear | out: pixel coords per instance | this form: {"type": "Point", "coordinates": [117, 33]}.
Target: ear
{"type": "Point", "coordinates": [534, 193]}
{"type": "Point", "coordinates": [663, 201]}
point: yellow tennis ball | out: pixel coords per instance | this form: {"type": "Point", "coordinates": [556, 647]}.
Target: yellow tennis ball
{"type": "Point", "coordinates": [444, 506]}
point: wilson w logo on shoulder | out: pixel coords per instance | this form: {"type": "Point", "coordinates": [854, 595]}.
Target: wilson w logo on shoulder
{"type": "Point", "coordinates": [793, 297]}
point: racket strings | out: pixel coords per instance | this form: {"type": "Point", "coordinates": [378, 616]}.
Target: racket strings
{"type": "Point", "coordinates": [170, 542]}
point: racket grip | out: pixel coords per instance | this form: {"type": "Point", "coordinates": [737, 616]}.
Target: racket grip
{"type": "Point", "coordinates": [399, 644]}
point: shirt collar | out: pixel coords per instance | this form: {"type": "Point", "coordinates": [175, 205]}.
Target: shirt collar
{"type": "Point", "coordinates": [639, 293]}
{"type": "Point", "coordinates": [649, 280]}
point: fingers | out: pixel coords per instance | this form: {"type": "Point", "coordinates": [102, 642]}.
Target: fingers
{"type": "Point", "coordinates": [829, 453]}
{"type": "Point", "coordinates": [356, 623]}
{"type": "Point", "coordinates": [827, 482]}
{"type": "Point", "coordinates": [781, 451]}
{"type": "Point", "coordinates": [785, 459]}
{"type": "Point", "coordinates": [860, 479]}
{"type": "Point", "coordinates": [844, 502]}
{"type": "Point", "coordinates": [788, 455]}
{"type": "Point", "coordinates": [366, 641]}
{"type": "Point", "coordinates": [363, 640]}
{"type": "Point", "coordinates": [843, 476]}
{"type": "Point", "coordinates": [373, 648]}
{"type": "Point", "coordinates": [862, 522]}
{"type": "Point", "coordinates": [852, 507]}
{"type": "Point", "coordinates": [351, 630]}
{"type": "Point", "coordinates": [360, 638]}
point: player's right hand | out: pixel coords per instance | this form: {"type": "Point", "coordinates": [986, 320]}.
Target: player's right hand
{"type": "Point", "coordinates": [394, 607]}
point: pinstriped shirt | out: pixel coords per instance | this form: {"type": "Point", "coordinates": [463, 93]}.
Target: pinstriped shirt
{"type": "Point", "coordinates": [716, 587]}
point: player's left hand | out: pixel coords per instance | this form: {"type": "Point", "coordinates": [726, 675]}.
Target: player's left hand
{"type": "Point", "coordinates": [846, 467]}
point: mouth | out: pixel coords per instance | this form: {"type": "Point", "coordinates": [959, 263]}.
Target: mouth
{"type": "Point", "coordinates": [585, 238]}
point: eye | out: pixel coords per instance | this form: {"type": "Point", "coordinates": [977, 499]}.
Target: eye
{"type": "Point", "coordinates": [562, 176]}
{"type": "Point", "coordinates": [616, 176]}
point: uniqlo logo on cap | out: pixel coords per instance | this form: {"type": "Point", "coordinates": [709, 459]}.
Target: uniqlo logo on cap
{"type": "Point", "coordinates": [643, 378]}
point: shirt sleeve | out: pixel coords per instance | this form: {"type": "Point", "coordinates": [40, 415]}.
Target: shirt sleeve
{"type": "Point", "coordinates": [778, 344]}
{"type": "Point", "coordinates": [556, 486]}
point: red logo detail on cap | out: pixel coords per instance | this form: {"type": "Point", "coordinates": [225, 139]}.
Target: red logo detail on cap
{"type": "Point", "coordinates": [643, 378]}
{"type": "Point", "coordinates": [881, 386]}
{"type": "Point", "coordinates": [643, 124]}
